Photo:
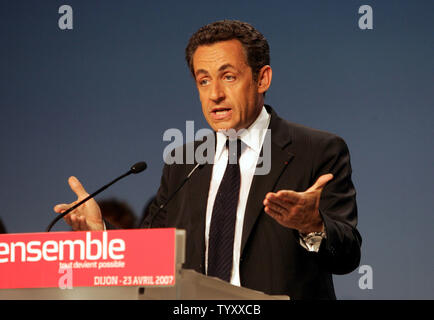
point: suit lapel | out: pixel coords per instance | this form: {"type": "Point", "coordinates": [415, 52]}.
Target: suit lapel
{"type": "Point", "coordinates": [262, 184]}
{"type": "Point", "coordinates": [197, 203]}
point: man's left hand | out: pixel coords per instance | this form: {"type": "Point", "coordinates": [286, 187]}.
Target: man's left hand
{"type": "Point", "coordinates": [298, 210]}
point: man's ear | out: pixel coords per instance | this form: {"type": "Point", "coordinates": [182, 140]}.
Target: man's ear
{"type": "Point", "coordinates": [264, 79]}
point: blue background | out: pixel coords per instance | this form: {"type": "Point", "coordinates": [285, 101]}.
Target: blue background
{"type": "Point", "coordinates": [93, 100]}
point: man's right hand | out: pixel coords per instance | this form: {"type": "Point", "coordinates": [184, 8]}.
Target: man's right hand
{"type": "Point", "coordinates": [85, 217]}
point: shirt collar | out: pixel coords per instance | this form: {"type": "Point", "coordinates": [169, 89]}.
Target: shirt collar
{"type": "Point", "coordinates": [252, 137]}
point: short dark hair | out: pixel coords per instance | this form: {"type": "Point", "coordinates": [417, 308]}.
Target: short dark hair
{"type": "Point", "coordinates": [254, 43]}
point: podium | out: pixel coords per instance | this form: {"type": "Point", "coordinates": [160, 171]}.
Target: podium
{"type": "Point", "coordinates": [188, 285]}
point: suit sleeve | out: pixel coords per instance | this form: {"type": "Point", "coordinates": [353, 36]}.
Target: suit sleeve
{"type": "Point", "coordinates": [154, 217]}
{"type": "Point", "coordinates": [340, 252]}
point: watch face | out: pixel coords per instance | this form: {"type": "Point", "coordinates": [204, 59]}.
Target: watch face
{"type": "Point", "coordinates": [316, 234]}
{"type": "Point", "coordinates": [314, 238]}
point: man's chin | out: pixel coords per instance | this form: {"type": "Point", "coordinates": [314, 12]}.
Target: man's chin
{"type": "Point", "coordinates": [225, 125]}
{"type": "Point", "coordinates": [221, 126]}
{"type": "Point", "coordinates": [225, 129]}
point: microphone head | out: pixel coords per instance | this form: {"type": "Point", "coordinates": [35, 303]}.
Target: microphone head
{"type": "Point", "coordinates": [138, 167]}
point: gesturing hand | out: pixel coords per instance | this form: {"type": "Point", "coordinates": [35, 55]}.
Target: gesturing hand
{"type": "Point", "coordinates": [298, 210]}
{"type": "Point", "coordinates": [85, 217]}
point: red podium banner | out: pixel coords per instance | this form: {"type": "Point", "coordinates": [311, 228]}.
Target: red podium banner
{"type": "Point", "coordinates": [139, 257]}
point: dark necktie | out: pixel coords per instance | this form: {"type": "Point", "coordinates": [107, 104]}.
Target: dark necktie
{"type": "Point", "coordinates": [222, 228]}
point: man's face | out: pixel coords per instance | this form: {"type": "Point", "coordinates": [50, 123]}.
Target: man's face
{"type": "Point", "coordinates": [227, 91]}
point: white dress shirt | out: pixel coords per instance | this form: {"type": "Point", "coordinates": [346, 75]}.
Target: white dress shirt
{"type": "Point", "coordinates": [253, 139]}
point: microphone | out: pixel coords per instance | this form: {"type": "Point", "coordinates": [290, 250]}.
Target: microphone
{"type": "Point", "coordinates": [136, 168]}
{"type": "Point", "coordinates": [170, 198]}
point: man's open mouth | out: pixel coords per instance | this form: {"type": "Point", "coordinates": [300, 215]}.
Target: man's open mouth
{"type": "Point", "coordinates": [220, 113]}
{"type": "Point", "coordinates": [220, 109]}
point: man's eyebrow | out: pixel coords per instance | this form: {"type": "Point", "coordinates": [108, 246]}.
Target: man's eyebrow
{"type": "Point", "coordinates": [222, 68]}
{"type": "Point", "coordinates": [227, 66]}
{"type": "Point", "coordinates": [199, 71]}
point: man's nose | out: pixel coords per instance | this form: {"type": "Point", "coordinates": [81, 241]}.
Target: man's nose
{"type": "Point", "coordinates": [217, 94]}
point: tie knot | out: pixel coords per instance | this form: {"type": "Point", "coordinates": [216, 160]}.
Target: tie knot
{"type": "Point", "coordinates": [235, 148]}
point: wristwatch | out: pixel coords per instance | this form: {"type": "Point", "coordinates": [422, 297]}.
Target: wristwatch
{"type": "Point", "coordinates": [315, 236]}
{"type": "Point", "coordinates": [313, 240]}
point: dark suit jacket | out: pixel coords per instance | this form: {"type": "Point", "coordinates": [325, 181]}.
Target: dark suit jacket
{"type": "Point", "coordinates": [272, 259]}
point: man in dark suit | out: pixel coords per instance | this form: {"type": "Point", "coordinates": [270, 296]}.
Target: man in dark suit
{"type": "Point", "coordinates": [283, 232]}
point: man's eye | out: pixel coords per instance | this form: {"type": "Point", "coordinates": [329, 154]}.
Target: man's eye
{"type": "Point", "coordinates": [203, 82]}
{"type": "Point", "coordinates": [230, 78]}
